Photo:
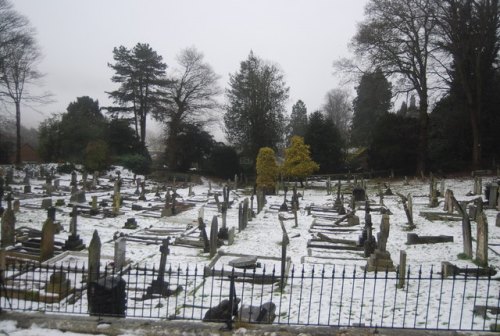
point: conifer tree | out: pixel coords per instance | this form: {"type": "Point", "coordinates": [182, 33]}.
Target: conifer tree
{"type": "Point", "coordinates": [267, 169]}
{"type": "Point", "coordinates": [298, 163]}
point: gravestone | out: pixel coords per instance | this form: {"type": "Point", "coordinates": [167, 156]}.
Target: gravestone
{"type": "Point", "coordinates": [493, 196]}
{"type": "Point", "coordinates": [214, 230]}
{"type": "Point", "coordinates": [203, 234]}
{"type": "Point", "coordinates": [358, 194]}
{"type": "Point", "coordinates": [497, 223]}
{"type": "Point", "coordinates": [137, 186]}
{"type": "Point", "coordinates": [16, 205]}
{"type": "Point", "coordinates": [8, 224]}
{"type": "Point", "coordinates": [415, 239]}
{"type": "Point", "coordinates": [159, 285]}
{"type": "Point", "coordinates": [482, 240]}
{"type": "Point", "coordinates": [47, 242]}
{"type": "Point", "coordinates": [448, 201]}
{"type": "Point", "coordinates": [402, 269]}
{"type": "Point", "coordinates": [58, 284]}
{"type": "Point", "coordinates": [380, 258]}
{"type": "Point", "coordinates": [230, 236]}
{"type": "Point", "coordinates": [73, 183]}
{"type": "Point", "coordinates": [26, 180]}
{"type": "Point", "coordinates": [120, 253]}
{"type": "Point", "coordinates": [266, 313]}
{"type": "Point", "coordinates": [57, 184]}
{"type": "Point", "coordinates": [130, 224]}
{"type": "Point", "coordinates": [338, 205]}
{"type": "Point", "coordinates": [46, 203]}
{"type": "Point", "coordinates": [94, 261]}
{"type": "Point", "coordinates": [74, 242]}
{"type": "Point", "coordinates": [95, 179]}
{"type": "Point", "coordinates": [9, 177]}
{"type": "Point", "coordinates": [142, 196]}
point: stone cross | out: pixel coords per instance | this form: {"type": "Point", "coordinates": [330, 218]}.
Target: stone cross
{"type": "Point", "coordinates": [165, 251]}
{"type": "Point", "coordinates": [94, 261]}
{"type": "Point", "coordinates": [47, 243]}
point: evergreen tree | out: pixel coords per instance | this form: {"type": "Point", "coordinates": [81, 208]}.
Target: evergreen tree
{"type": "Point", "coordinates": [141, 74]}
{"type": "Point", "coordinates": [267, 170]}
{"type": "Point", "coordinates": [298, 119]}
{"type": "Point", "coordinates": [373, 101]}
{"type": "Point", "coordinates": [325, 143]}
{"type": "Point", "coordinates": [254, 115]}
{"type": "Point", "coordinates": [298, 163]}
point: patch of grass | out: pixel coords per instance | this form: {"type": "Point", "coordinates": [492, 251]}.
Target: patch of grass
{"type": "Point", "coordinates": [462, 256]}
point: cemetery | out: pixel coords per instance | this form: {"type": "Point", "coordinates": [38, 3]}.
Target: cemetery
{"type": "Point", "coordinates": [385, 252]}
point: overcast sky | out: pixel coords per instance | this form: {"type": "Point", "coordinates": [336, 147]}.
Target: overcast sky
{"type": "Point", "coordinates": [77, 38]}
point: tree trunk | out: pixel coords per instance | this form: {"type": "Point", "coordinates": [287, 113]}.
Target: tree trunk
{"type": "Point", "coordinates": [422, 137]}
{"type": "Point", "coordinates": [476, 137]}
{"type": "Point", "coordinates": [18, 133]}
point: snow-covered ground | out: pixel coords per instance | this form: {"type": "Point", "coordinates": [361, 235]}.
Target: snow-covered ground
{"type": "Point", "coordinates": [263, 238]}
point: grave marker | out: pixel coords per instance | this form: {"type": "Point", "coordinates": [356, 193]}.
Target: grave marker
{"type": "Point", "coordinates": [214, 230]}
{"type": "Point", "coordinates": [94, 261]}
{"type": "Point", "coordinates": [120, 253]}
{"type": "Point", "coordinates": [482, 240]}
{"type": "Point", "coordinates": [8, 224]}
{"type": "Point", "coordinates": [47, 242]}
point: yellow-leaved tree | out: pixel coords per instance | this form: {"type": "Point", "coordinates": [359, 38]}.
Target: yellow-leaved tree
{"type": "Point", "coordinates": [298, 163]}
{"type": "Point", "coordinates": [267, 170]}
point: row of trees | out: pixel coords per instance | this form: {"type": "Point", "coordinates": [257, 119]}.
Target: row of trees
{"type": "Point", "coordinates": [431, 45]}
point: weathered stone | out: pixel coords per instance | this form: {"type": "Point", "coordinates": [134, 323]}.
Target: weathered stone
{"type": "Point", "coordinates": [414, 239]}
{"type": "Point", "coordinates": [244, 262]}
{"type": "Point", "coordinates": [482, 240]}
{"type": "Point", "coordinates": [47, 242]}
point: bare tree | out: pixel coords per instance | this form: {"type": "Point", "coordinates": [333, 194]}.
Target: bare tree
{"type": "Point", "coordinates": [190, 97]}
{"type": "Point", "coordinates": [19, 57]}
{"type": "Point", "coordinates": [338, 108]}
{"type": "Point", "coordinates": [397, 37]}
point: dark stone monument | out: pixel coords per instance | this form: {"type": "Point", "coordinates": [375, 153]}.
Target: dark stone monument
{"type": "Point", "coordinates": [214, 230]}
{"type": "Point", "coordinates": [94, 261]}
{"type": "Point", "coordinates": [8, 224]}
{"type": "Point", "coordinates": [358, 194]}
{"type": "Point", "coordinates": [47, 242]}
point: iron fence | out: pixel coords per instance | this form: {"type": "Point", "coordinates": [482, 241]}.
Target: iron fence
{"type": "Point", "coordinates": [311, 295]}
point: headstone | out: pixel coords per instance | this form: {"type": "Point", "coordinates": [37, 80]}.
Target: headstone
{"type": "Point", "coordinates": [159, 285]}
{"type": "Point", "coordinates": [497, 223]}
{"type": "Point", "coordinates": [359, 194]}
{"type": "Point", "coordinates": [266, 313]}
{"type": "Point", "coordinates": [46, 203]}
{"type": "Point", "coordinates": [230, 236]}
{"type": "Point", "coordinates": [8, 224]}
{"type": "Point", "coordinates": [130, 224]}
{"type": "Point", "coordinates": [47, 242]}
{"type": "Point", "coordinates": [57, 184]}
{"type": "Point", "coordinates": [402, 269]}
{"type": "Point", "coordinates": [95, 179]}
{"type": "Point", "coordinates": [16, 205]}
{"type": "Point", "coordinates": [338, 201]}
{"type": "Point", "coordinates": [203, 234]}
{"type": "Point", "coordinates": [120, 253]}
{"type": "Point", "coordinates": [58, 284]}
{"type": "Point", "coordinates": [137, 186]}
{"type": "Point", "coordinates": [410, 209]}
{"type": "Point", "coordinates": [448, 201]}
{"type": "Point", "coordinates": [384, 232]}
{"type": "Point", "coordinates": [94, 261]}
{"type": "Point", "coordinates": [73, 183]}
{"type": "Point", "coordinates": [214, 230]}
{"type": "Point", "coordinates": [142, 196]}
{"type": "Point", "coordinates": [493, 197]}
{"type": "Point", "coordinates": [482, 240]}
{"type": "Point", "coordinates": [284, 206]}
